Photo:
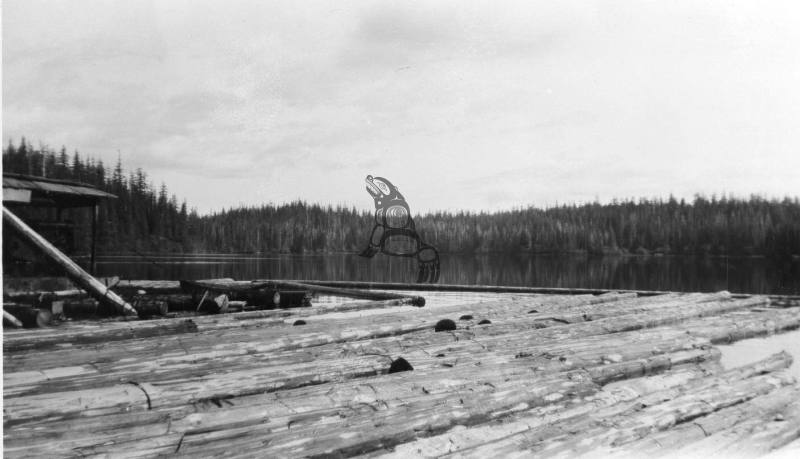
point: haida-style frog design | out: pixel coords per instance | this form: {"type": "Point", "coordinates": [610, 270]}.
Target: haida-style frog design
{"type": "Point", "coordinates": [394, 233]}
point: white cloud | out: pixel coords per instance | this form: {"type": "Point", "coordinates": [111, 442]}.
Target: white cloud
{"type": "Point", "coordinates": [463, 104]}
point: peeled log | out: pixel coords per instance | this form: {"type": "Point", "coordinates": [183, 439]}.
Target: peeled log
{"type": "Point", "coordinates": [635, 355]}
{"type": "Point", "coordinates": [362, 430]}
{"type": "Point", "coordinates": [84, 280]}
{"type": "Point", "coordinates": [593, 431]}
{"type": "Point", "coordinates": [590, 432]}
{"type": "Point", "coordinates": [753, 433]}
{"type": "Point", "coordinates": [108, 331]}
{"type": "Point", "coordinates": [93, 402]}
{"type": "Point", "coordinates": [691, 436]}
{"type": "Point", "coordinates": [302, 415]}
{"type": "Point", "coordinates": [438, 387]}
{"type": "Point", "coordinates": [390, 341]}
{"type": "Point", "coordinates": [739, 326]}
{"type": "Point", "coordinates": [458, 439]}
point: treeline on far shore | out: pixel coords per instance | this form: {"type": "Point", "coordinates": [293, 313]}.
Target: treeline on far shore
{"type": "Point", "coordinates": [148, 219]}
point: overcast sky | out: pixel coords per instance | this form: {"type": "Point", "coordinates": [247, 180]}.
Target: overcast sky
{"type": "Point", "coordinates": [462, 104]}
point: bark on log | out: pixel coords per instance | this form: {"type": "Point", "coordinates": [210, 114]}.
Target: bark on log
{"type": "Point", "coordinates": [690, 436]}
{"type": "Point", "coordinates": [94, 287]}
{"type": "Point", "coordinates": [594, 433]}
{"type": "Point", "coordinates": [95, 334]}
{"type": "Point", "coordinates": [243, 415]}
{"type": "Point", "coordinates": [636, 357]}
{"type": "Point", "coordinates": [434, 381]}
{"type": "Point", "coordinates": [361, 432]}
{"type": "Point", "coordinates": [461, 438]}
{"type": "Point", "coordinates": [369, 334]}
{"type": "Point", "coordinates": [388, 420]}
{"type": "Point", "coordinates": [209, 388]}
{"type": "Point", "coordinates": [431, 384]}
{"type": "Point", "coordinates": [640, 391]}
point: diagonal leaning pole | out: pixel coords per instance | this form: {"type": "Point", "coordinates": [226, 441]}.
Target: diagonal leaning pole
{"type": "Point", "coordinates": [83, 279]}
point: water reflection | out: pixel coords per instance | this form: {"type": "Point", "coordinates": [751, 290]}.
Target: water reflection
{"type": "Point", "coordinates": [749, 275]}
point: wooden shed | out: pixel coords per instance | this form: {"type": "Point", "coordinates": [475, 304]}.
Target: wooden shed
{"type": "Point", "coordinates": [31, 191]}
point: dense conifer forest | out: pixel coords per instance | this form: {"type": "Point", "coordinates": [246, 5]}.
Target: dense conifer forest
{"type": "Point", "coordinates": [148, 219]}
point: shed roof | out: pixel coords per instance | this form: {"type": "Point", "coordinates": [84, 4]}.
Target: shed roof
{"type": "Point", "coordinates": [27, 189]}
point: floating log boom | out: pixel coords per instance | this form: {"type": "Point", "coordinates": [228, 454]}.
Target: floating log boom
{"type": "Point", "coordinates": [469, 375]}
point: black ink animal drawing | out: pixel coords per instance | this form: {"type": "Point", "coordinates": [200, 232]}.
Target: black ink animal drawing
{"type": "Point", "coordinates": [394, 233]}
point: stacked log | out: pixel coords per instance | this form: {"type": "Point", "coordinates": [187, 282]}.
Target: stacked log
{"type": "Point", "coordinates": [705, 435]}
{"type": "Point", "coordinates": [624, 394]}
{"type": "Point", "coordinates": [263, 387]}
{"type": "Point", "coordinates": [95, 334]}
{"type": "Point", "coordinates": [440, 349]}
{"type": "Point", "coordinates": [314, 334]}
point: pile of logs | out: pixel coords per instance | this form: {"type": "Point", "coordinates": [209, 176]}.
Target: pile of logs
{"type": "Point", "coordinates": [619, 374]}
{"type": "Point", "coordinates": [157, 299]}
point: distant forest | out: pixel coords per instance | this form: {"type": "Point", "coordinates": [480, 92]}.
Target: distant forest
{"type": "Point", "coordinates": [148, 219]}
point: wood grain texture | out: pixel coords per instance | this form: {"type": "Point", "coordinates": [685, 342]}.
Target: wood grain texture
{"type": "Point", "coordinates": [550, 375]}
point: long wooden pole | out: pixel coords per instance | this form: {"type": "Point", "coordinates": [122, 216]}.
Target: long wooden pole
{"type": "Point", "coordinates": [92, 262]}
{"type": "Point", "coordinates": [13, 320]}
{"type": "Point", "coordinates": [351, 293]}
{"type": "Point", "coordinates": [74, 272]}
{"type": "Point", "coordinates": [470, 288]}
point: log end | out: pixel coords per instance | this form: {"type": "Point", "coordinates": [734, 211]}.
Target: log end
{"type": "Point", "coordinates": [400, 364]}
{"type": "Point", "coordinates": [444, 325]}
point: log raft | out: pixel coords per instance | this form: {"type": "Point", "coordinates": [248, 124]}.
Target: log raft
{"type": "Point", "coordinates": [486, 373]}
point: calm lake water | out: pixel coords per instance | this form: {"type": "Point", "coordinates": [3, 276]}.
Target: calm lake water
{"type": "Point", "coordinates": [739, 275]}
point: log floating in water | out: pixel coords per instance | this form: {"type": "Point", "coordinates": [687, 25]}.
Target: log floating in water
{"type": "Point", "coordinates": [97, 334]}
{"type": "Point", "coordinates": [658, 411]}
{"type": "Point", "coordinates": [431, 385]}
{"type": "Point", "coordinates": [391, 334]}
{"type": "Point", "coordinates": [755, 436]}
{"type": "Point", "coordinates": [691, 436]}
{"type": "Point", "coordinates": [624, 393]}
{"type": "Point", "coordinates": [76, 273]}
{"type": "Point", "coordinates": [262, 387]}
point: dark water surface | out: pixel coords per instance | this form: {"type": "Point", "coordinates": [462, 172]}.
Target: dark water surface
{"type": "Point", "coordinates": [741, 275]}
